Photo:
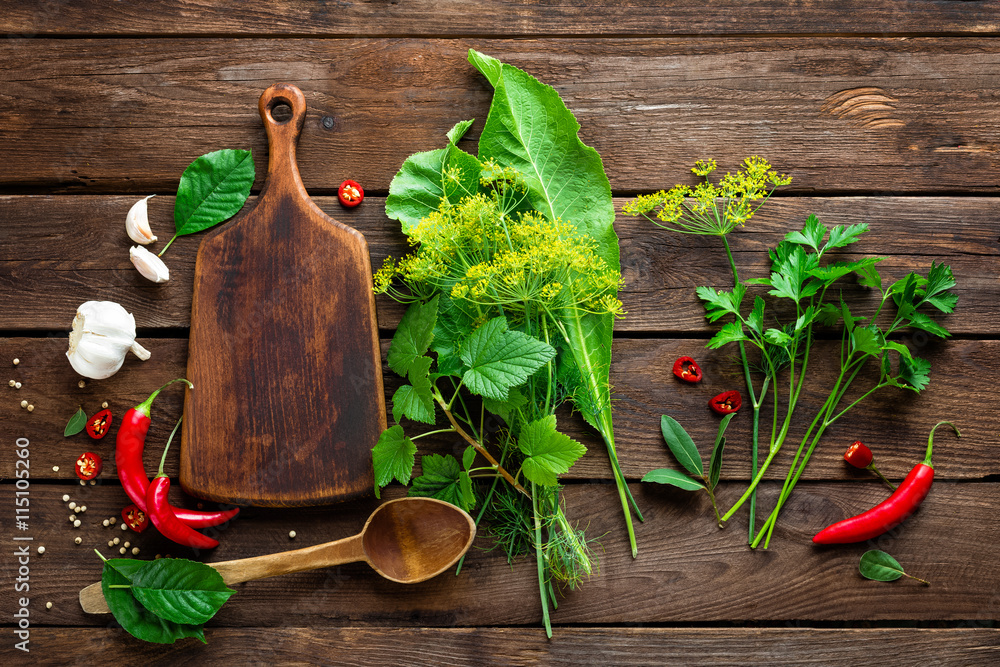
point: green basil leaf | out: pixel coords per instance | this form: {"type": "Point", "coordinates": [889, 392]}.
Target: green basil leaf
{"type": "Point", "coordinates": [179, 590]}
{"type": "Point", "coordinates": [134, 618]}
{"type": "Point", "coordinates": [673, 478]}
{"type": "Point", "coordinates": [76, 423]}
{"type": "Point", "coordinates": [880, 566]}
{"type": "Point", "coordinates": [682, 446]}
{"type": "Point", "coordinates": [213, 188]}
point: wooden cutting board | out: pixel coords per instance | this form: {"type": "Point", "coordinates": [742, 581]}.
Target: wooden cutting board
{"type": "Point", "coordinates": [284, 355]}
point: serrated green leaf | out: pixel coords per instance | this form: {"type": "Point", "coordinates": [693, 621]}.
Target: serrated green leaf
{"type": "Point", "coordinates": [76, 423]}
{"type": "Point", "coordinates": [181, 591]}
{"type": "Point", "coordinates": [806, 318]}
{"type": "Point", "coordinates": [393, 456]}
{"type": "Point", "coordinates": [925, 322]}
{"type": "Point", "coordinates": [836, 270]}
{"type": "Point", "coordinates": [777, 337]}
{"type": "Point", "coordinates": [548, 453]}
{"type": "Point", "coordinates": [498, 359]}
{"type": "Point", "coordinates": [811, 235]}
{"type": "Point", "coordinates": [468, 457]}
{"type": "Point", "coordinates": [414, 400]}
{"type": "Point", "coordinates": [427, 180]}
{"type": "Point", "coordinates": [898, 347]}
{"type": "Point", "coordinates": [673, 478]}
{"type": "Point", "coordinates": [719, 303]}
{"type": "Point", "coordinates": [757, 281]}
{"type": "Point", "coordinates": [450, 329]}
{"type": "Point", "coordinates": [755, 320]}
{"type": "Point", "coordinates": [867, 340]}
{"type": "Point", "coordinates": [441, 478]}
{"type": "Point", "coordinates": [413, 336]}
{"type": "Point", "coordinates": [504, 409]}
{"type": "Point", "coordinates": [841, 236]}
{"type": "Point", "coordinates": [945, 301]}
{"type": "Point", "coordinates": [868, 276]}
{"type": "Point", "coordinates": [880, 566]}
{"type": "Point", "coordinates": [488, 66]}
{"type": "Point", "coordinates": [828, 314]}
{"type": "Point", "coordinates": [134, 618]}
{"type": "Point", "coordinates": [213, 188]}
{"type": "Point", "coordinates": [715, 462]}
{"type": "Point", "coordinates": [915, 372]}
{"type": "Point", "coordinates": [468, 495]}
{"type": "Point", "coordinates": [784, 287]}
{"type": "Point", "coordinates": [935, 292]}
{"type": "Point", "coordinates": [681, 445]}
{"type": "Point", "coordinates": [730, 332]}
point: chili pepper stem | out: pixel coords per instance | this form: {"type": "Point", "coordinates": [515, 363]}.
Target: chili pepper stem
{"type": "Point", "coordinates": [159, 473]}
{"type": "Point", "coordinates": [871, 466]}
{"type": "Point", "coordinates": [144, 407]}
{"type": "Point", "coordinates": [930, 440]}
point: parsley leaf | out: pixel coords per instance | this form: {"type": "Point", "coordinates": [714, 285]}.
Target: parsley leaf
{"type": "Point", "coordinates": [729, 333]}
{"type": "Point", "coordinates": [841, 236]}
{"type": "Point", "coordinates": [718, 303]}
{"type": "Point", "coordinates": [549, 453]}
{"type": "Point", "coordinates": [393, 457]}
{"type": "Point", "coordinates": [499, 360]}
{"type": "Point", "coordinates": [811, 235]}
{"type": "Point", "coordinates": [914, 372]}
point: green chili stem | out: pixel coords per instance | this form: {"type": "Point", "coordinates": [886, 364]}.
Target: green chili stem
{"type": "Point", "coordinates": [163, 458]}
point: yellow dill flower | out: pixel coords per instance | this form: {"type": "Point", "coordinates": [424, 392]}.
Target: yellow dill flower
{"type": "Point", "coordinates": [383, 277]}
{"type": "Point", "coordinates": [703, 167]}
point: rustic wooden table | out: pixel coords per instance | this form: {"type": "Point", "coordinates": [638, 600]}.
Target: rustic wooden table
{"type": "Point", "coordinates": [883, 111]}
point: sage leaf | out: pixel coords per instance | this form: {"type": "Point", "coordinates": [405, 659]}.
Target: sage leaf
{"type": "Point", "coordinates": [673, 478]}
{"type": "Point", "coordinates": [879, 566]}
{"type": "Point", "coordinates": [499, 360]}
{"type": "Point", "coordinates": [76, 423]}
{"type": "Point", "coordinates": [682, 446]}
{"type": "Point", "coordinates": [134, 618]}
{"type": "Point", "coordinates": [179, 590]}
{"type": "Point", "coordinates": [213, 188]}
{"type": "Point", "coordinates": [715, 463]}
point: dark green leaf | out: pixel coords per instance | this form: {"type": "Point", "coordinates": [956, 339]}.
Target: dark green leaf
{"type": "Point", "coordinates": [925, 322]}
{"type": "Point", "coordinates": [76, 423]}
{"type": "Point", "coordinates": [731, 332]}
{"type": "Point", "coordinates": [179, 590]}
{"type": "Point", "coordinates": [914, 372]}
{"type": "Point", "coordinates": [841, 236]}
{"type": "Point", "coordinates": [213, 188]}
{"type": "Point", "coordinates": [673, 478]}
{"type": "Point", "coordinates": [898, 347]}
{"type": "Point", "coordinates": [945, 301]}
{"type": "Point", "coordinates": [755, 320]}
{"type": "Point", "coordinates": [499, 360]}
{"type": "Point", "coordinates": [939, 280]}
{"type": "Point", "coordinates": [828, 314]}
{"type": "Point", "coordinates": [880, 566]}
{"type": "Point", "coordinates": [451, 328]}
{"type": "Point", "coordinates": [548, 452]}
{"type": "Point", "coordinates": [715, 463]}
{"type": "Point", "coordinates": [682, 446]}
{"type": "Point", "coordinates": [867, 340]}
{"type": "Point", "coordinates": [811, 235]}
{"type": "Point", "coordinates": [504, 409]}
{"type": "Point", "coordinates": [868, 276]}
{"type": "Point", "coordinates": [135, 619]}
{"type": "Point", "coordinates": [719, 303]}
{"type": "Point", "coordinates": [468, 495]}
{"type": "Point", "coordinates": [414, 400]}
{"type": "Point", "coordinates": [441, 478]}
{"type": "Point", "coordinates": [468, 457]}
{"type": "Point", "coordinates": [413, 336]}
{"type": "Point", "coordinates": [393, 457]}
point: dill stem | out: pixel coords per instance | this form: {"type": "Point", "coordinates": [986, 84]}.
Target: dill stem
{"type": "Point", "coordinates": [539, 559]}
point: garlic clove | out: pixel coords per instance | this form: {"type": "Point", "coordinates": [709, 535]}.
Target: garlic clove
{"type": "Point", "coordinates": [137, 223]}
{"type": "Point", "coordinates": [149, 265]}
{"type": "Point", "coordinates": [103, 332]}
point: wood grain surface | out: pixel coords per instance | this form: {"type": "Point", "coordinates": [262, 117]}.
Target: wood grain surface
{"type": "Point", "coordinates": [843, 115]}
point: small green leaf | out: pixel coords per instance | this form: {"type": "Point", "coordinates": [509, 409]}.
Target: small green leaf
{"type": "Point", "coordinates": [468, 457]}
{"type": "Point", "coordinates": [673, 478]}
{"type": "Point", "coordinates": [898, 347]}
{"type": "Point", "coordinates": [135, 619]}
{"type": "Point", "coordinates": [828, 314]}
{"type": "Point", "coordinates": [880, 566]}
{"type": "Point", "coordinates": [414, 400]}
{"type": "Point", "coordinates": [925, 322]}
{"type": "Point", "coordinates": [499, 360]}
{"type": "Point", "coordinates": [213, 188]}
{"type": "Point", "coordinates": [441, 478]}
{"type": "Point", "coordinates": [811, 235]}
{"type": "Point", "coordinates": [468, 495]}
{"type": "Point", "coordinates": [548, 452]}
{"type": "Point", "coordinates": [393, 457]}
{"type": "Point", "coordinates": [719, 303]}
{"type": "Point", "coordinates": [755, 320]}
{"type": "Point", "coordinates": [731, 332]}
{"type": "Point", "coordinates": [179, 590]}
{"type": "Point", "coordinates": [413, 336]}
{"type": "Point", "coordinates": [841, 236]}
{"type": "Point", "coordinates": [682, 446]}
{"type": "Point", "coordinates": [76, 423]}
{"type": "Point", "coordinates": [868, 276]}
{"type": "Point", "coordinates": [915, 372]}
{"type": "Point", "coordinates": [867, 340]}
{"type": "Point", "coordinates": [715, 462]}
{"type": "Point", "coordinates": [504, 409]}
{"type": "Point", "coordinates": [777, 337]}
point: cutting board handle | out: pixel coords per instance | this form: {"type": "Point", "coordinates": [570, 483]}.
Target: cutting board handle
{"type": "Point", "coordinates": [282, 136]}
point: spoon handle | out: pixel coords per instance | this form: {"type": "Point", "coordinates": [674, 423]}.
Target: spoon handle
{"type": "Point", "coordinates": [346, 550]}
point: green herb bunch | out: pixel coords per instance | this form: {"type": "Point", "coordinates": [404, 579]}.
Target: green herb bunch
{"type": "Point", "coordinates": [513, 284]}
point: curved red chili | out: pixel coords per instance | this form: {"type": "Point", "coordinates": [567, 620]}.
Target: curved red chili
{"type": "Point", "coordinates": [859, 456]}
{"type": "Point", "coordinates": [726, 402]}
{"type": "Point", "coordinates": [163, 517]}
{"type": "Point", "coordinates": [99, 425]}
{"type": "Point", "coordinates": [350, 193]}
{"type": "Point", "coordinates": [686, 369]}
{"type": "Point", "coordinates": [131, 441]}
{"type": "Point", "coordinates": [891, 512]}
{"type": "Point", "coordinates": [135, 518]}
{"type": "Point", "coordinates": [88, 466]}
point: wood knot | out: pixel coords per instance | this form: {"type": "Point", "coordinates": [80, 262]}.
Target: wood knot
{"type": "Point", "coordinates": [864, 107]}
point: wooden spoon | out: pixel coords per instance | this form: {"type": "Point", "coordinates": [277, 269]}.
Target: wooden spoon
{"type": "Point", "coordinates": [408, 540]}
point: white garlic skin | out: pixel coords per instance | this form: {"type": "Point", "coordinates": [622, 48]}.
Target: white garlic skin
{"type": "Point", "coordinates": [137, 223]}
{"type": "Point", "coordinates": [149, 265]}
{"type": "Point", "coordinates": [102, 333]}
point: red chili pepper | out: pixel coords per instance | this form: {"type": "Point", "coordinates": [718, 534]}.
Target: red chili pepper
{"type": "Point", "coordinates": [135, 518]}
{"type": "Point", "coordinates": [859, 456]}
{"type": "Point", "coordinates": [686, 369]}
{"type": "Point", "coordinates": [131, 441]}
{"type": "Point", "coordinates": [162, 514]}
{"type": "Point", "coordinates": [350, 193]}
{"type": "Point", "coordinates": [726, 402]}
{"type": "Point", "coordinates": [891, 512]}
{"type": "Point", "coordinates": [99, 425]}
{"type": "Point", "coordinates": [88, 466]}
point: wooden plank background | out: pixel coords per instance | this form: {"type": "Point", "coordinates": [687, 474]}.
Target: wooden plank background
{"type": "Point", "coordinates": [883, 112]}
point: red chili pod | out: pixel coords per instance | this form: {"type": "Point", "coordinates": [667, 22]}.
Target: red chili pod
{"type": "Point", "coordinates": [99, 425]}
{"type": "Point", "coordinates": [350, 193]}
{"type": "Point", "coordinates": [858, 455]}
{"type": "Point", "coordinates": [726, 402]}
{"type": "Point", "coordinates": [135, 518]}
{"type": "Point", "coordinates": [686, 369]}
{"type": "Point", "coordinates": [88, 466]}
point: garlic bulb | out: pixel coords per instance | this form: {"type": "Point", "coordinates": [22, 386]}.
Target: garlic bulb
{"type": "Point", "coordinates": [102, 333]}
{"type": "Point", "coordinates": [149, 265]}
{"type": "Point", "coordinates": [137, 223]}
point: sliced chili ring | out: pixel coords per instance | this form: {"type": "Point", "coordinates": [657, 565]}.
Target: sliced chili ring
{"type": "Point", "coordinates": [686, 369]}
{"type": "Point", "coordinates": [88, 466]}
{"type": "Point", "coordinates": [135, 518]}
{"type": "Point", "coordinates": [726, 402]}
{"type": "Point", "coordinates": [99, 425]}
{"type": "Point", "coordinates": [350, 193]}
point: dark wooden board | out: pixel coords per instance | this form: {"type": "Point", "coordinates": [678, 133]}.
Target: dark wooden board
{"type": "Point", "coordinates": [503, 17]}
{"type": "Point", "coordinates": [59, 251]}
{"type": "Point", "coordinates": [844, 115]}
{"type": "Point", "coordinates": [718, 647]}
{"type": "Point", "coordinates": [894, 423]}
{"type": "Point", "coordinates": [687, 569]}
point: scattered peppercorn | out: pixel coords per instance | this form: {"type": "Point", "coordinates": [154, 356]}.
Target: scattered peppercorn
{"type": "Point", "coordinates": [17, 385]}
{"type": "Point", "coordinates": [77, 523]}
{"type": "Point", "coordinates": [31, 408]}
{"type": "Point", "coordinates": [291, 534]}
{"type": "Point", "coordinates": [135, 551]}
{"type": "Point", "coordinates": [72, 505]}
{"type": "Point", "coordinates": [12, 383]}
{"type": "Point", "coordinates": [48, 605]}
{"type": "Point", "coordinates": [17, 361]}
{"type": "Point", "coordinates": [122, 551]}
{"type": "Point", "coordinates": [65, 497]}
{"type": "Point", "coordinates": [81, 384]}
{"type": "Point", "coordinates": [41, 550]}
{"type": "Point", "coordinates": [104, 405]}
{"type": "Point", "coordinates": [117, 540]}
{"type": "Point", "coordinates": [78, 540]}
{"type": "Point", "coordinates": [24, 404]}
